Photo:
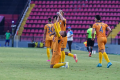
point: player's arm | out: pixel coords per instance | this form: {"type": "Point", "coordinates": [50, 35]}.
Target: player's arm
{"type": "Point", "coordinates": [87, 35]}
{"type": "Point", "coordinates": [93, 31]}
{"type": "Point", "coordinates": [44, 35]}
{"type": "Point", "coordinates": [56, 30]}
{"type": "Point", "coordinates": [109, 31]}
{"type": "Point", "coordinates": [52, 33]}
{"type": "Point", "coordinates": [61, 17]}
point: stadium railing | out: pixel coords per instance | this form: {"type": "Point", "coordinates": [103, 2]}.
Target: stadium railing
{"type": "Point", "coordinates": [21, 17]}
{"type": "Point", "coordinates": [77, 40]}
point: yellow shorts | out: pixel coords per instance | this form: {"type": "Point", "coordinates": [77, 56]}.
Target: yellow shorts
{"type": "Point", "coordinates": [48, 43]}
{"type": "Point", "coordinates": [101, 42]}
{"type": "Point", "coordinates": [64, 43]}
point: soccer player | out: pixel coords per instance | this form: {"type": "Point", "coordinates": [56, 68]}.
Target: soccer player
{"type": "Point", "coordinates": [7, 37]}
{"type": "Point", "coordinates": [47, 39]}
{"type": "Point", "coordinates": [100, 29]}
{"type": "Point", "coordinates": [57, 41]}
{"type": "Point", "coordinates": [90, 42]}
{"type": "Point", "coordinates": [62, 22]}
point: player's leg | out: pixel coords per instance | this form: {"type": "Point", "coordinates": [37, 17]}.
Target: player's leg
{"type": "Point", "coordinates": [70, 46]}
{"type": "Point", "coordinates": [101, 46]}
{"type": "Point", "coordinates": [91, 47]}
{"type": "Point", "coordinates": [62, 55]}
{"type": "Point", "coordinates": [88, 45]}
{"type": "Point", "coordinates": [99, 40]}
{"type": "Point", "coordinates": [63, 46]}
{"type": "Point", "coordinates": [55, 61]}
{"type": "Point", "coordinates": [72, 55]}
{"type": "Point", "coordinates": [8, 42]}
{"type": "Point", "coordinates": [47, 44]}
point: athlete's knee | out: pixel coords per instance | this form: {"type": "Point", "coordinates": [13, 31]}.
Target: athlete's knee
{"type": "Point", "coordinates": [66, 53]}
{"type": "Point", "coordinates": [51, 66]}
{"type": "Point", "coordinates": [102, 50]}
{"type": "Point", "coordinates": [62, 49]}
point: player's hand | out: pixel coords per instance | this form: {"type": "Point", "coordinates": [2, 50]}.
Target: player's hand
{"type": "Point", "coordinates": [53, 39]}
{"type": "Point", "coordinates": [92, 39]}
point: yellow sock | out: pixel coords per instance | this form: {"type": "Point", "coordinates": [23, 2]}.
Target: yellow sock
{"type": "Point", "coordinates": [100, 57]}
{"type": "Point", "coordinates": [63, 56]}
{"type": "Point", "coordinates": [58, 65]}
{"type": "Point", "coordinates": [48, 53]}
{"type": "Point", "coordinates": [71, 55]}
{"type": "Point", "coordinates": [106, 57]}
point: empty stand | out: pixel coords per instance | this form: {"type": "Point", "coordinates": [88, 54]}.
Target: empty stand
{"type": "Point", "coordinates": [79, 15]}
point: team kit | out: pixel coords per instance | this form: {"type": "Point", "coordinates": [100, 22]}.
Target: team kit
{"type": "Point", "coordinates": [55, 38]}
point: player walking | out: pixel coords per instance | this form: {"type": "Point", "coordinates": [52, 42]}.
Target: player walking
{"type": "Point", "coordinates": [100, 29]}
{"type": "Point", "coordinates": [47, 39]}
{"type": "Point", "coordinates": [90, 42]}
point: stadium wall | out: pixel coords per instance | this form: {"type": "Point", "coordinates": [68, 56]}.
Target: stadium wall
{"type": "Point", "coordinates": [75, 46]}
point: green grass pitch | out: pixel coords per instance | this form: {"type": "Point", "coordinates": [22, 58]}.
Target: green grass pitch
{"type": "Point", "coordinates": [30, 64]}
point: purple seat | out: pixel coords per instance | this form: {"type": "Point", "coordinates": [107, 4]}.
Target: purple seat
{"type": "Point", "coordinates": [36, 31]}
{"type": "Point", "coordinates": [28, 30]}
{"type": "Point", "coordinates": [31, 21]}
{"type": "Point", "coordinates": [29, 25]}
{"type": "Point", "coordinates": [119, 37]}
{"type": "Point", "coordinates": [47, 2]}
{"type": "Point", "coordinates": [116, 37]}
{"type": "Point", "coordinates": [33, 17]}
{"type": "Point", "coordinates": [23, 34]}
{"type": "Point", "coordinates": [75, 31]}
{"type": "Point", "coordinates": [44, 2]}
{"type": "Point", "coordinates": [33, 26]}
{"type": "Point", "coordinates": [27, 34]}
{"type": "Point", "coordinates": [37, 26]}
{"type": "Point", "coordinates": [36, 2]}
{"type": "Point", "coordinates": [35, 34]}
{"type": "Point", "coordinates": [31, 34]}
{"type": "Point", "coordinates": [24, 30]}
{"type": "Point", "coordinates": [40, 2]}
{"type": "Point", "coordinates": [35, 21]}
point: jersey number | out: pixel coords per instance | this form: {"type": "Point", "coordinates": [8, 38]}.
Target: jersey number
{"type": "Point", "coordinates": [101, 30]}
{"type": "Point", "coordinates": [50, 29]}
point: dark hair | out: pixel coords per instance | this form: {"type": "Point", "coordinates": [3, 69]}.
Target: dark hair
{"type": "Point", "coordinates": [65, 34]}
{"type": "Point", "coordinates": [55, 16]}
{"type": "Point", "coordinates": [49, 19]}
{"type": "Point", "coordinates": [98, 17]}
{"type": "Point", "coordinates": [91, 25]}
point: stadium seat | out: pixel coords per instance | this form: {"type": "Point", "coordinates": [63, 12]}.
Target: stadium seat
{"type": "Point", "coordinates": [79, 14]}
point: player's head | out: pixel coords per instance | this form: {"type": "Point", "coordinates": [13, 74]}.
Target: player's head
{"type": "Point", "coordinates": [90, 26]}
{"type": "Point", "coordinates": [69, 28]}
{"type": "Point", "coordinates": [49, 20]}
{"type": "Point", "coordinates": [8, 31]}
{"type": "Point", "coordinates": [61, 12]}
{"type": "Point", "coordinates": [97, 18]}
{"type": "Point", "coordinates": [63, 33]}
{"type": "Point", "coordinates": [54, 18]}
